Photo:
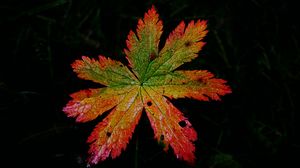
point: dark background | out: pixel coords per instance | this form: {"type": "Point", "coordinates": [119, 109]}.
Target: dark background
{"type": "Point", "coordinates": [254, 45]}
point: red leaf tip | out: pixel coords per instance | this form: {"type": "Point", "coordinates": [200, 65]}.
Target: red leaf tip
{"type": "Point", "coordinates": [152, 10]}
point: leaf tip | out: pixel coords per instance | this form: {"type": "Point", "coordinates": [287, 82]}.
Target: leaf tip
{"type": "Point", "coordinates": [152, 10]}
{"type": "Point", "coordinates": [76, 64]}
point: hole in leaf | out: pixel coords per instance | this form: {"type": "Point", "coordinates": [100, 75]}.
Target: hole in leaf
{"type": "Point", "coordinates": [182, 123]}
{"type": "Point", "coordinates": [149, 103]}
{"type": "Point", "coordinates": [162, 137]}
{"type": "Point", "coordinates": [108, 134]}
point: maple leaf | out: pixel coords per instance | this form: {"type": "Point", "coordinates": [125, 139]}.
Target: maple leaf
{"type": "Point", "coordinates": [145, 85]}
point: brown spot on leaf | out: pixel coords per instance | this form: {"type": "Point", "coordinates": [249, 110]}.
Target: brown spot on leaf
{"type": "Point", "coordinates": [152, 56]}
{"type": "Point", "coordinates": [202, 80]}
{"type": "Point", "coordinates": [188, 43]}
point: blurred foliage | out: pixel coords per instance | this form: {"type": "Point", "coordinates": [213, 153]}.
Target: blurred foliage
{"type": "Point", "coordinates": [224, 161]}
{"type": "Point", "coordinates": [253, 44]}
